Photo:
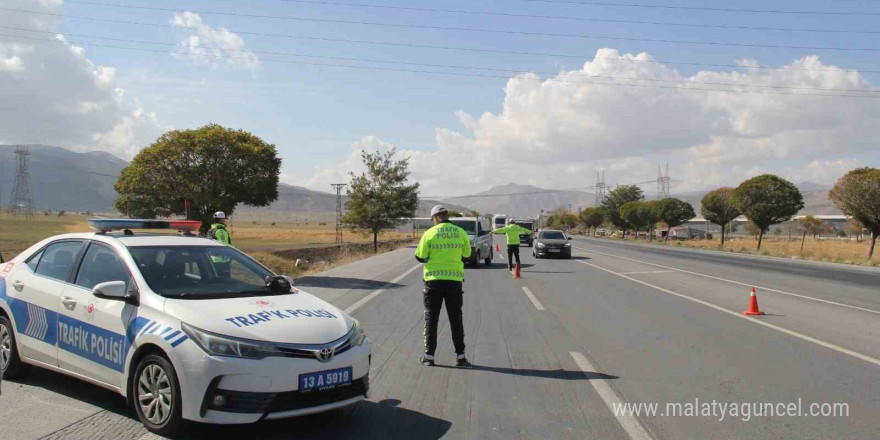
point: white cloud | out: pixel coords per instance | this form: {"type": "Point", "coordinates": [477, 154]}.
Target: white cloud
{"type": "Point", "coordinates": [53, 94]}
{"type": "Point", "coordinates": [207, 45]}
{"type": "Point", "coordinates": [558, 132]}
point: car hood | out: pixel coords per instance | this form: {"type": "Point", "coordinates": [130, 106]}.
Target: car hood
{"type": "Point", "coordinates": [546, 241]}
{"type": "Point", "coordinates": [291, 319]}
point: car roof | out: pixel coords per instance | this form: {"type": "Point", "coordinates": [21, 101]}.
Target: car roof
{"type": "Point", "coordinates": [552, 230]}
{"type": "Point", "coordinates": [141, 239]}
{"type": "Point", "coordinates": [463, 218]}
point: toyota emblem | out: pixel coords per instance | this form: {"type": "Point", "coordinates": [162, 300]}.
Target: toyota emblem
{"type": "Point", "coordinates": [325, 355]}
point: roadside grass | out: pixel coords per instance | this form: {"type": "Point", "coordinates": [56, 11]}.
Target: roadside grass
{"type": "Point", "coordinates": [287, 266]}
{"type": "Point", "coordinates": [827, 250]}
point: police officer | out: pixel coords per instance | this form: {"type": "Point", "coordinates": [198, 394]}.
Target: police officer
{"type": "Point", "coordinates": [218, 232]}
{"type": "Point", "coordinates": [443, 248]}
{"type": "Point", "coordinates": [512, 231]}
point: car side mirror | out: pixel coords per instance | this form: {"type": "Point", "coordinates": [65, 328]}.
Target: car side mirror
{"type": "Point", "coordinates": [111, 290]}
{"type": "Point", "coordinates": [279, 284]}
{"type": "Point", "coordinates": [569, 238]}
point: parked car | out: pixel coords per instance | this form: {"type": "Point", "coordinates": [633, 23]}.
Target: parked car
{"type": "Point", "coordinates": [552, 243]}
{"type": "Point", "coordinates": [479, 231]}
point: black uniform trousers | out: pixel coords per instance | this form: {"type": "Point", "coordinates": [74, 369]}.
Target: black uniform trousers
{"type": "Point", "coordinates": [436, 292]}
{"type": "Point", "coordinates": [512, 251]}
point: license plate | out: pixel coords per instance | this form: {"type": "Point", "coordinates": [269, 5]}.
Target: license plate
{"type": "Point", "coordinates": [325, 380]}
{"type": "Point", "coordinates": [554, 250]}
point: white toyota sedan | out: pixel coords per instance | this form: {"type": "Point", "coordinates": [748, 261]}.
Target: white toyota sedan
{"type": "Point", "coordinates": [185, 328]}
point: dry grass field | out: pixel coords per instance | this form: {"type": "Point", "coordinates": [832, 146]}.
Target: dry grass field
{"type": "Point", "coordinates": [830, 250]}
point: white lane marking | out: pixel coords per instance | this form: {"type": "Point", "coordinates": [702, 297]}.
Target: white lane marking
{"type": "Point", "coordinates": [500, 256]}
{"type": "Point", "coordinates": [630, 424]}
{"type": "Point", "coordinates": [533, 298]}
{"type": "Point", "coordinates": [737, 282]}
{"type": "Point", "coordinates": [645, 272]}
{"type": "Point", "coordinates": [376, 293]}
{"type": "Point", "coordinates": [829, 345]}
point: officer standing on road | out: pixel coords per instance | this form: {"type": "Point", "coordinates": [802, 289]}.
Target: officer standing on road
{"type": "Point", "coordinates": [218, 232]}
{"type": "Point", "coordinates": [444, 248]}
{"type": "Point", "coordinates": [512, 230]}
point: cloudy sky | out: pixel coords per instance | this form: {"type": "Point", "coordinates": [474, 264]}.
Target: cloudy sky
{"type": "Point", "coordinates": [535, 100]}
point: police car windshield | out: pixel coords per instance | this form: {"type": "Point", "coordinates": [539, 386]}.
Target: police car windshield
{"type": "Point", "coordinates": [553, 235]}
{"type": "Point", "coordinates": [469, 226]}
{"type": "Point", "coordinates": [200, 272]}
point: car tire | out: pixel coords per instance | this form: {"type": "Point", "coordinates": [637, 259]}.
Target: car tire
{"type": "Point", "coordinates": [10, 363]}
{"type": "Point", "coordinates": [489, 258]}
{"type": "Point", "coordinates": [160, 416]}
{"type": "Point", "coordinates": [476, 262]}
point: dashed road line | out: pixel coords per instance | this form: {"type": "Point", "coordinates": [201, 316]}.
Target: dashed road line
{"type": "Point", "coordinates": [533, 298]}
{"type": "Point", "coordinates": [378, 292]}
{"type": "Point", "coordinates": [628, 422]}
{"type": "Point", "coordinates": [822, 343]}
{"type": "Point", "coordinates": [877, 312]}
{"type": "Point", "coordinates": [646, 272]}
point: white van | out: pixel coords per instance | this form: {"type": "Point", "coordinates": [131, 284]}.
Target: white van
{"type": "Point", "coordinates": [499, 221]}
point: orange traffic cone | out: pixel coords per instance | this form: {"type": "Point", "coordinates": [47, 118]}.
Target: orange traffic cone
{"type": "Point", "coordinates": [497, 248]}
{"type": "Point", "coordinates": [516, 273]}
{"type": "Point", "coordinates": [753, 305]}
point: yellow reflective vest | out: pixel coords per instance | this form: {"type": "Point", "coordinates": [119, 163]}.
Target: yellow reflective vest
{"type": "Point", "coordinates": [441, 249]}
{"type": "Point", "coordinates": [512, 232]}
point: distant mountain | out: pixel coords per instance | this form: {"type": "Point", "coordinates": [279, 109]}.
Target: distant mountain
{"type": "Point", "coordinates": [63, 179]}
{"type": "Point", "coordinates": [816, 200]}
{"type": "Point", "coordinates": [523, 200]}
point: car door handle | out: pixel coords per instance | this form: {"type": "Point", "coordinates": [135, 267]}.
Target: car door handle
{"type": "Point", "coordinates": [18, 285]}
{"type": "Point", "coordinates": [69, 303]}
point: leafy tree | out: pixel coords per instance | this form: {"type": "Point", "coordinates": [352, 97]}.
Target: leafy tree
{"type": "Point", "coordinates": [213, 167]}
{"type": "Point", "coordinates": [474, 214]}
{"type": "Point", "coordinates": [752, 229]}
{"type": "Point", "coordinates": [636, 214]}
{"type": "Point", "coordinates": [380, 197]}
{"type": "Point", "coordinates": [767, 200]}
{"type": "Point", "coordinates": [857, 194]}
{"type": "Point", "coordinates": [718, 207]}
{"type": "Point", "coordinates": [562, 219]}
{"type": "Point", "coordinates": [809, 225]}
{"type": "Point", "coordinates": [592, 218]}
{"type": "Point", "coordinates": [854, 227]}
{"type": "Point", "coordinates": [674, 212]}
{"type": "Point", "coordinates": [454, 213]}
{"type": "Point", "coordinates": [616, 198]}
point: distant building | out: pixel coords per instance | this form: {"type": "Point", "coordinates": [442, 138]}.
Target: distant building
{"type": "Point", "coordinates": [687, 232]}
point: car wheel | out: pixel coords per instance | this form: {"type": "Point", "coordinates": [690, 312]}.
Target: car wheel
{"type": "Point", "coordinates": [489, 258]}
{"type": "Point", "coordinates": [476, 262]}
{"type": "Point", "coordinates": [156, 392]}
{"type": "Point", "coordinates": [11, 366]}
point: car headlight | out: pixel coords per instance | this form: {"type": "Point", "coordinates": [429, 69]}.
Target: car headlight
{"type": "Point", "coordinates": [219, 345]}
{"type": "Point", "coordinates": [540, 245]}
{"type": "Point", "coordinates": [357, 333]}
{"type": "Point", "coordinates": [568, 245]}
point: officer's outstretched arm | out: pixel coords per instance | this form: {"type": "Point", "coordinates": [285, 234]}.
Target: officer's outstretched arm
{"type": "Point", "coordinates": [423, 251]}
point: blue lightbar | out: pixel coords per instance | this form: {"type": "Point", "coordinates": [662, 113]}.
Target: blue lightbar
{"type": "Point", "coordinates": [106, 225]}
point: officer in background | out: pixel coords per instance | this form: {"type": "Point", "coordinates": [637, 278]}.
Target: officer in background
{"type": "Point", "coordinates": [512, 231]}
{"type": "Point", "coordinates": [218, 232]}
{"type": "Point", "coordinates": [444, 248]}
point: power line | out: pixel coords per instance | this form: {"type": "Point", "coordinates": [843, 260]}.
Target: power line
{"type": "Point", "coordinates": [472, 49]}
{"type": "Point", "coordinates": [539, 16]}
{"type": "Point", "coordinates": [461, 74]}
{"type": "Point", "coordinates": [515, 71]}
{"type": "Point", "coordinates": [457, 29]}
{"type": "Point", "coordinates": [709, 9]}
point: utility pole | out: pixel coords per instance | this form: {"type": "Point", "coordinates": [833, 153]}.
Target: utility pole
{"type": "Point", "coordinates": [600, 188]}
{"type": "Point", "coordinates": [662, 183]}
{"type": "Point", "coordinates": [22, 202]}
{"type": "Point", "coordinates": [338, 187]}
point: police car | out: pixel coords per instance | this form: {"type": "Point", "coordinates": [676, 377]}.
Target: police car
{"type": "Point", "coordinates": [185, 328]}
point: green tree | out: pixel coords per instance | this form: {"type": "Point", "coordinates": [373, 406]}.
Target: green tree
{"type": "Point", "coordinates": [809, 225]}
{"type": "Point", "coordinates": [380, 197]}
{"type": "Point", "coordinates": [213, 167]}
{"type": "Point", "coordinates": [857, 194]}
{"type": "Point", "coordinates": [592, 218]}
{"type": "Point", "coordinates": [718, 207]}
{"type": "Point", "coordinates": [854, 228]}
{"type": "Point", "coordinates": [562, 219]}
{"type": "Point", "coordinates": [616, 198]}
{"type": "Point", "coordinates": [674, 212]}
{"type": "Point", "coordinates": [767, 200]}
{"type": "Point", "coordinates": [653, 217]}
{"type": "Point", "coordinates": [636, 214]}
{"type": "Point", "coordinates": [454, 213]}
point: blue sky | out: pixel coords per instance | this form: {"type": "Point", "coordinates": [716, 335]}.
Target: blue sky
{"type": "Point", "coordinates": [314, 114]}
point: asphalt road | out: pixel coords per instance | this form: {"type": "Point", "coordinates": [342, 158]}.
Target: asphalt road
{"type": "Point", "coordinates": [556, 350]}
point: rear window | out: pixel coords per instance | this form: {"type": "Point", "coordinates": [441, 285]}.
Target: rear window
{"type": "Point", "coordinates": [527, 225]}
{"type": "Point", "coordinates": [469, 226]}
{"type": "Point", "coordinates": [553, 235]}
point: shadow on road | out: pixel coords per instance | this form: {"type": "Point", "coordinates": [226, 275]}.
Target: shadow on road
{"type": "Point", "coordinates": [75, 389]}
{"type": "Point", "coordinates": [544, 374]}
{"type": "Point", "coordinates": [344, 283]}
{"type": "Point", "coordinates": [544, 271]}
{"type": "Point", "coordinates": [366, 420]}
